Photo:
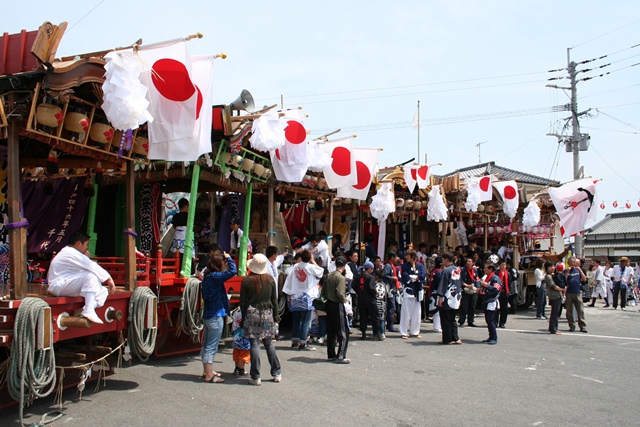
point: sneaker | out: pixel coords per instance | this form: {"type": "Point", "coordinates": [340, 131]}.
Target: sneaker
{"type": "Point", "coordinates": [255, 381]}
{"type": "Point", "coordinates": [572, 329]}
{"type": "Point", "coordinates": [492, 342]}
{"type": "Point", "coordinates": [486, 341]}
{"type": "Point", "coordinates": [472, 325]}
{"type": "Point", "coordinates": [306, 347]}
{"type": "Point", "coordinates": [277, 378]}
{"type": "Point", "coordinates": [584, 330]}
{"type": "Point", "coordinates": [321, 341]}
{"type": "Point", "coordinates": [343, 361]}
{"type": "Point", "coordinates": [501, 326]}
{"type": "Point", "coordinates": [294, 344]}
{"type": "Point", "coordinates": [623, 308]}
{"type": "Point", "coordinates": [331, 359]}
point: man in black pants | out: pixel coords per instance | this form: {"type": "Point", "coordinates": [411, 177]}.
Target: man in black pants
{"type": "Point", "coordinates": [449, 291]}
{"type": "Point", "coordinates": [391, 281]}
{"type": "Point", "coordinates": [334, 290]}
{"type": "Point", "coordinates": [470, 285]}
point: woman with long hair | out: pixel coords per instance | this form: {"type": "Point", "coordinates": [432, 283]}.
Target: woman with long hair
{"type": "Point", "coordinates": [259, 307]}
{"type": "Point", "coordinates": [216, 308]}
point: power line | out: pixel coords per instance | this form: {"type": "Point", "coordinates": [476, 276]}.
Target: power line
{"type": "Point", "coordinates": [85, 15]}
{"type": "Point", "coordinates": [407, 86]}
{"type": "Point", "coordinates": [611, 130]}
{"type": "Point", "coordinates": [609, 91]}
{"type": "Point", "coordinates": [605, 34]}
{"type": "Point", "coordinates": [421, 93]}
{"type": "Point", "coordinates": [614, 170]}
{"type": "Point", "coordinates": [618, 120]}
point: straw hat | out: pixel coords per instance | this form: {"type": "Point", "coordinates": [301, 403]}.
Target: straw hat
{"type": "Point", "coordinates": [258, 264]}
{"type": "Point", "coordinates": [623, 259]}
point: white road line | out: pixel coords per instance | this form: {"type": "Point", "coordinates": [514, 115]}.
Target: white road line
{"type": "Point", "coordinates": [571, 334]}
{"type": "Point", "coordinates": [587, 378]}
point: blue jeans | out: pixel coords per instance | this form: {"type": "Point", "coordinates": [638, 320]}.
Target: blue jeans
{"type": "Point", "coordinates": [271, 356]}
{"type": "Point", "coordinates": [212, 333]}
{"type": "Point", "coordinates": [541, 300]}
{"type": "Point", "coordinates": [301, 323]}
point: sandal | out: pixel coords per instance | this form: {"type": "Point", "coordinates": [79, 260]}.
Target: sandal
{"type": "Point", "coordinates": [404, 337]}
{"type": "Point", "coordinates": [214, 379]}
{"type": "Point", "coordinates": [215, 374]}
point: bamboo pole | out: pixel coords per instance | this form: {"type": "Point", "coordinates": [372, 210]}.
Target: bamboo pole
{"type": "Point", "coordinates": [244, 240]}
{"type": "Point", "coordinates": [185, 271]}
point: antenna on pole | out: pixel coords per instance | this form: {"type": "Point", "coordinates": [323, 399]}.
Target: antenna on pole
{"type": "Point", "coordinates": [478, 145]}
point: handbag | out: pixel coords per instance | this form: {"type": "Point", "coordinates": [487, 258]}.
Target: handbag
{"type": "Point", "coordinates": [319, 303]}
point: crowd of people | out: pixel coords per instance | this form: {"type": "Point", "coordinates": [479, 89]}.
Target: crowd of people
{"type": "Point", "coordinates": [330, 297]}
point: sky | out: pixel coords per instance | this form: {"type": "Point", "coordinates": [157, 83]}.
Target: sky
{"type": "Point", "coordinates": [478, 68]}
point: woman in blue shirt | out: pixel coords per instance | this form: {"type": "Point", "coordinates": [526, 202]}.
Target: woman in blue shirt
{"type": "Point", "coordinates": [216, 307]}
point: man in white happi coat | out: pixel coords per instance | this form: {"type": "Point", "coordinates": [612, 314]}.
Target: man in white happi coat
{"type": "Point", "coordinates": [599, 287]}
{"type": "Point", "coordinates": [72, 273]}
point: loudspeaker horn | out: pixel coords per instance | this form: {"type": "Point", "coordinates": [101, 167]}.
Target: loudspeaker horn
{"type": "Point", "coordinates": [243, 102]}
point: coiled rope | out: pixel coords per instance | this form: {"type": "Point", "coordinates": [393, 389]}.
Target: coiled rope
{"type": "Point", "coordinates": [190, 315]}
{"type": "Point", "coordinates": [32, 373]}
{"type": "Point", "coordinates": [141, 340]}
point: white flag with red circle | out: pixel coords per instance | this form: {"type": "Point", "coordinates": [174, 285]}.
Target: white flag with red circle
{"type": "Point", "coordinates": [486, 192]}
{"type": "Point", "coordinates": [366, 165]}
{"type": "Point", "coordinates": [422, 176]}
{"type": "Point", "coordinates": [191, 147]}
{"type": "Point", "coordinates": [174, 99]}
{"type": "Point", "coordinates": [509, 192]}
{"type": "Point", "coordinates": [575, 204]}
{"type": "Point", "coordinates": [290, 161]}
{"type": "Point", "coordinates": [410, 177]}
{"type": "Point", "coordinates": [341, 171]}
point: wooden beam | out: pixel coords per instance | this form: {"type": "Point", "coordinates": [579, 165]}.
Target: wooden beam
{"type": "Point", "coordinates": [130, 240]}
{"type": "Point", "coordinates": [69, 163]}
{"type": "Point", "coordinates": [17, 236]}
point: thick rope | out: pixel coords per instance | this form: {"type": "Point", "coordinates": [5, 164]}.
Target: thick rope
{"type": "Point", "coordinates": [141, 340]}
{"type": "Point", "coordinates": [190, 315]}
{"type": "Point", "coordinates": [32, 372]}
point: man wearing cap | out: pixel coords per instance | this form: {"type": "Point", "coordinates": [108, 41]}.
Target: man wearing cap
{"type": "Point", "coordinates": [334, 290]}
{"type": "Point", "coordinates": [621, 278]}
{"type": "Point", "coordinates": [365, 286]}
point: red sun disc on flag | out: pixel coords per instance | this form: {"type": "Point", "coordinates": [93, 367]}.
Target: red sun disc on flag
{"type": "Point", "coordinates": [172, 80]}
{"type": "Point", "coordinates": [415, 177]}
{"type": "Point", "coordinates": [364, 176]}
{"type": "Point", "coordinates": [484, 183]}
{"type": "Point", "coordinates": [627, 205]}
{"type": "Point", "coordinates": [639, 203]}
{"type": "Point", "coordinates": [615, 204]}
{"type": "Point", "coordinates": [278, 154]}
{"type": "Point", "coordinates": [295, 132]}
{"type": "Point", "coordinates": [422, 172]}
{"type": "Point", "coordinates": [199, 102]}
{"type": "Point", "coordinates": [509, 192]}
{"type": "Point", "coordinates": [341, 163]}
{"type": "Point", "coordinates": [602, 205]}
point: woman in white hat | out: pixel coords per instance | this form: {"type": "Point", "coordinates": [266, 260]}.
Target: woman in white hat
{"type": "Point", "coordinates": [258, 304]}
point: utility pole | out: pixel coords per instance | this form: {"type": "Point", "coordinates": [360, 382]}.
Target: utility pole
{"type": "Point", "coordinates": [575, 137]}
{"type": "Point", "coordinates": [577, 141]}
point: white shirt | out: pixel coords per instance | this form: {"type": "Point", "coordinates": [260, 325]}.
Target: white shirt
{"type": "Point", "coordinates": [320, 251]}
{"type": "Point", "coordinates": [303, 279]}
{"type": "Point", "coordinates": [598, 275]}
{"type": "Point", "coordinates": [539, 277]}
{"type": "Point", "coordinates": [623, 276]}
{"type": "Point", "coordinates": [607, 276]}
{"type": "Point", "coordinates": [273, 269]}
{"type": "Point", "coordinates": [69, 264]}
{"type": "Point", "coordinates": [233, 244]}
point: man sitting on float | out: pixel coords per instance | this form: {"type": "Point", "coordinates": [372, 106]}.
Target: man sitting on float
{"type": "Point", "coordinates": [72, 273]}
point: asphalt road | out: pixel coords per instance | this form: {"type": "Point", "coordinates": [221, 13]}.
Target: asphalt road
{"type": "Point", "coordinates": [530, 378]}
